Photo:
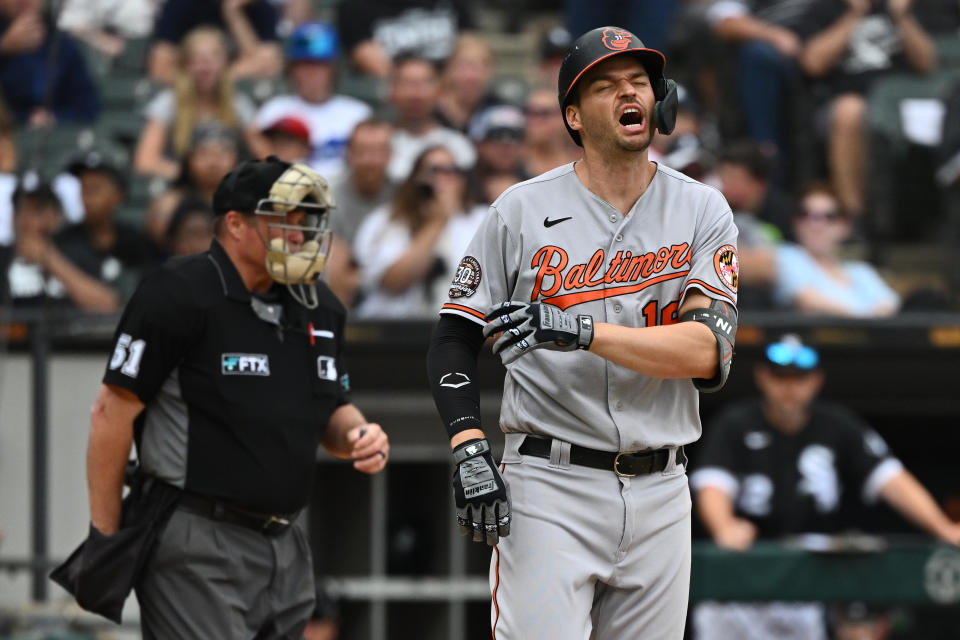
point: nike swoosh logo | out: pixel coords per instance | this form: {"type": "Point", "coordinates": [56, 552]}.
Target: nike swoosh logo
{"type": "Point", "coordinates": [547, 222]}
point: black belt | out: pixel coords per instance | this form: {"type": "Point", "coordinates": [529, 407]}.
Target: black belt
{"type": "Point", "coordinates": [218, 510]}
{"type": "Point", "coordinates": [624, 463]}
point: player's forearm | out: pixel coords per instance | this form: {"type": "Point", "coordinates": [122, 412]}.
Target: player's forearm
{"type": "Point", "coordinates": [683, 350]}
{"type": "Point", "coordinates": [108, 448]}
{"type": "Point", "coordinates": [906, 495]}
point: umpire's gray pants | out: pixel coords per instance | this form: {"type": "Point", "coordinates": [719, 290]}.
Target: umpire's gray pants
{"type": "Point", "coordinates": [209, 579]}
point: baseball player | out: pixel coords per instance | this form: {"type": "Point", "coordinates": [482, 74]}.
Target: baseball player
{"type": "Point", "coordinates": [229, 381]}
{"type": "Point", "coordinates": [613, 284]}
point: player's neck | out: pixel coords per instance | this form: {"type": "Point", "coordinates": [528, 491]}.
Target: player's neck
{"type": "Point", "coordinates": [618, 180]}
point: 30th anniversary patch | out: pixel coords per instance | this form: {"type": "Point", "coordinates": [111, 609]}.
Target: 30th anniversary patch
{"type": "Point", "coordinates": [466, 279]}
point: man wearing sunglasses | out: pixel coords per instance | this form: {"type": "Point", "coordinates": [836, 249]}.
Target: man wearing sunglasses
{"type": "Point", "coordinates": [787, 463]}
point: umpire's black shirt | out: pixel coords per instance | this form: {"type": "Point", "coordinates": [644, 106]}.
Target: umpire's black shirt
{"type": "Point", "coordinates": [238, 388]}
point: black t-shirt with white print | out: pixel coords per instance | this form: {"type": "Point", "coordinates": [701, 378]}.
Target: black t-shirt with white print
{"type": "Point", "coordinates": [789, 484]}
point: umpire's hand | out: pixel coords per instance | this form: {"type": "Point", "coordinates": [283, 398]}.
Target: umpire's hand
{"type": "Point", "coordinates": [481, 495]}
{"type": "Point", "coordinates": [529, 326]}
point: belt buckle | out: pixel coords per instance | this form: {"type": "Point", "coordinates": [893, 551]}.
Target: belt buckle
{"type": "Point", "coordinates": [274, 524]}
{"type": "Point", "coordinates": [616, 465]}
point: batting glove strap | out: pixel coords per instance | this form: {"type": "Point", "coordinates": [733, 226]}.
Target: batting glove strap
{"type": "Point", "coordinates": [470, 449]}
{"type": "Point", "coordinates": [585, 335]}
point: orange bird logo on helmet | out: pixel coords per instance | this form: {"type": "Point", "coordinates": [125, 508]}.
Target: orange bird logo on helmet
{"type": "Point", "coordinates": [616, 39]}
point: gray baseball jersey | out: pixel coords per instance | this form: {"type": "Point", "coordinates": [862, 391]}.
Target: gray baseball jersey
{"type": "Point", "coordinates": [551, 239]}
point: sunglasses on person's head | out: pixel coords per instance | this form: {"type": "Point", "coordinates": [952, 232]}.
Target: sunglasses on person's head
{"type": "Point", "coordinates": [792, 354]}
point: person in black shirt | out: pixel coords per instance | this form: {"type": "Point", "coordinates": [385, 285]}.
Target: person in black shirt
{"type": "Point", "coordinates": [228, 382]}
{"type": "Point", "coordinates": [115, 253]}
{"type": "Point", "coordinates": [787, 464]}
{"type": "Point", "coordinates": [34, 273]}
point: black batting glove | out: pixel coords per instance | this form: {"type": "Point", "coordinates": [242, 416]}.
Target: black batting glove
{"type": "Point", "coordinates": [528, 326]}
{"type": "Point", "coordinates": [481, 495]}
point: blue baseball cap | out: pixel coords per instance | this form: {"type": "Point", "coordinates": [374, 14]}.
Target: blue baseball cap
{"type": "Point", "coordinates": [313, 42]}
{"type": "Point", "coordinates": [790, 355]}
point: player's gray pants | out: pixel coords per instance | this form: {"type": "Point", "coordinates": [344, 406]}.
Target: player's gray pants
{"type": "Point", "coordinates": [210, 579]}
{"type": "Point", "coordinates": [591, 555]}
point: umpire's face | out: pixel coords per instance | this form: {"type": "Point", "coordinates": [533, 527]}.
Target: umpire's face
{"type": "Point", "coordinates": [253, 235]}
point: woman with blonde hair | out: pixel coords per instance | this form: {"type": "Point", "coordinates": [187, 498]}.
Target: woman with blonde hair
{"type": "Point", "coordinates": [203, 91]}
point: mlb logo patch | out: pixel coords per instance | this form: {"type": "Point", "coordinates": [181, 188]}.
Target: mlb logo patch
{"type": "Point", "coordinates": [326, 368]}
{"type": "Point", "coordinates": [244, 364]}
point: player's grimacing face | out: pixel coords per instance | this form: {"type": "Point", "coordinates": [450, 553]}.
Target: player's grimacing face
{"type": "Point", "coordinates": [616, 103]}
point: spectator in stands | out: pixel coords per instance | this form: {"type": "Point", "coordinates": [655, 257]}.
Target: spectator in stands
{"type": "Point", "coordinates": [107, 24]}
{"type": "Point", "coordinates": [114, 252]}
{"type": "Point", "coordinates": [682, 149]}
{"type": "Point", "coordinates": [766, 67]}
{"type": "Point", "coordinates": [743, 174]}
{"type": "Point", "coordinates": [413, 94]}
{"type": "Point", "coordinates": [408, 249]}
{"type": "Point", "coordinates": [191, 228]}
{"type": "Point", "coordinates": [359, 189]}
{"type": "Point", "coordinates": [651, 20]}
{"type": "Point", "coordinates": [252, 25]}
{"type": "Point", "coordinates": [213, 153]}
{"type": "Point", "coordinates": [203, 92]}
{"type": "Point", "coordinates": [811, 275]}
{"type": "Point", "coordinates": [465, 83]}
{"type": "Point", "coordinates": [289, 139]}
{"type": "Point", "coordinates": [43, 77]}
{"type": "Point", "coordinates": [553, 46]}
{"type": "Point", "coordinates": [8, 150]}
{"type": "Point", "coordinates": [546, 143]}
{"type": "Point", "coordinates": [312, 53]}
{"type": "Point", "coordinates": [847, 46]}
{"type": "Point", "coordinates": [376, 32]}
{"type": "Point", "coordinates": [787, 464]}
{"type": "Point", "coordinates": [498, 133]}
{"type": "Point", "coordinates": [36, 272]}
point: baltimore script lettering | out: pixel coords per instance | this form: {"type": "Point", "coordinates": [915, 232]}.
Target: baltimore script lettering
{"type": "Point", "coordinates": [636, 271]}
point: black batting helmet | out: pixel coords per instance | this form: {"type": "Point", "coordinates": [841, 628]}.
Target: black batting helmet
{"type": "Point", "coordinates": [606, 42]}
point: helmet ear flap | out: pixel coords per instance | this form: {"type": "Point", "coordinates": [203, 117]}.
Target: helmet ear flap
{"type": "Point", "coordinates": [665, 111]}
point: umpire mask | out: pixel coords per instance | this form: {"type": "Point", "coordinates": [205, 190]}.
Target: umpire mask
{"type": "Point", "coordinates": [297, 259]}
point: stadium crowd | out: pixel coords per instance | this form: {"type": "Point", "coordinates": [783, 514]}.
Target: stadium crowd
{"type": "Point", "coordinates": [117, 125]}
{"type": "Point", "coordinates": [826, 124]}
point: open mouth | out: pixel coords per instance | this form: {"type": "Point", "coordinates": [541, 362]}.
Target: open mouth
{"type": "Point", "coordinates": [632, 119]}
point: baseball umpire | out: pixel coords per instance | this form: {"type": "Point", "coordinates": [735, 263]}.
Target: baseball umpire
{"type": "Point", "coordinates": [228, 382]}
{"type": "Point", "coordinates": [613, 281]}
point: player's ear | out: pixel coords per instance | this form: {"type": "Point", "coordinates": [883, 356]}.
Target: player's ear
{"type": "Point", "coordinates": [572, 113]}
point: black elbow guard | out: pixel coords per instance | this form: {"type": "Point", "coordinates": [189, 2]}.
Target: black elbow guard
{"type": "Point", "coordinates": [721, 318]}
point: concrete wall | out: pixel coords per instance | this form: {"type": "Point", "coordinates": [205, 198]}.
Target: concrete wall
{"type": "Point", "coordinates": [74, 380]}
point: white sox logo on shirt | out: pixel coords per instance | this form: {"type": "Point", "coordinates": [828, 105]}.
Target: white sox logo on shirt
{"type": "Point", "coordinates": [636, 272]}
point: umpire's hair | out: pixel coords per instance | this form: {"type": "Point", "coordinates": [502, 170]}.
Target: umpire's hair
{"type": "Point", "coordinates": [750, 156]}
